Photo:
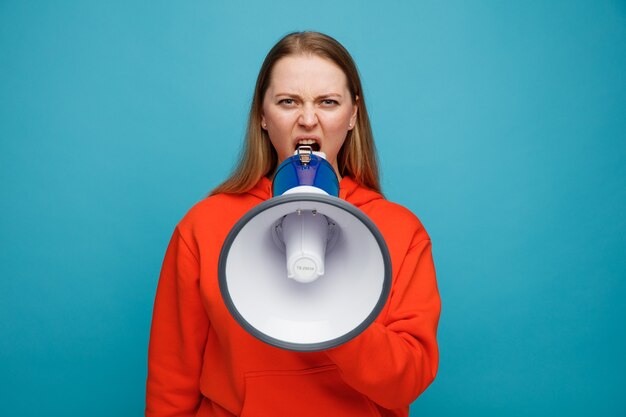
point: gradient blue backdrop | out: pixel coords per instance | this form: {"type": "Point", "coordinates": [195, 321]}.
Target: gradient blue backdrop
{"type": "Point", "coordinates": [500, 124]}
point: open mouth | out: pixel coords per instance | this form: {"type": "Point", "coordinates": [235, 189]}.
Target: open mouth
{"type": "Point", "coordinates": [312, 143]}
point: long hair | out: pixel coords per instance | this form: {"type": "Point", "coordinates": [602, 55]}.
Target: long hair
{"type": "Point", "coordinates": [357, 157]}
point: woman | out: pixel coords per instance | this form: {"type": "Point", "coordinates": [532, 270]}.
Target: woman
{"type": "Point", "coordinates": [201, 362]}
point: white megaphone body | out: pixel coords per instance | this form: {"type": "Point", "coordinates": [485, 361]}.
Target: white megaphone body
{"type": "Point", "coordinates": [305, 270]}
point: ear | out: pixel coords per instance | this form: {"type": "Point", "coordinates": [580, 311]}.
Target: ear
{"type": "Point", "coordinates": [355, 110]}
{"type": "Point", "coordinates": [263, 123]}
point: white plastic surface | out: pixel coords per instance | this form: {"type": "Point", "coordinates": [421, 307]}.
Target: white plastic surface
{"type": "Point", "coordinates": [305, 189]}
{"type": "Point", "coordinates": [314, 312]}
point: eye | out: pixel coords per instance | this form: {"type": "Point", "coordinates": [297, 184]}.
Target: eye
{"type": "Point", "coordinates": [287, 102]}
{"type": "Point", "coordinates": [329, 102]}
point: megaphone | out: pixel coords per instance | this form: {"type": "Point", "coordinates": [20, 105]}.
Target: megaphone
{"type": "Point", "coordinates": [305, 270]}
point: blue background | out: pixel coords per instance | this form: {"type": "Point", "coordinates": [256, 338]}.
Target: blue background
{"type": "Point", "coordinates": [500, 124]}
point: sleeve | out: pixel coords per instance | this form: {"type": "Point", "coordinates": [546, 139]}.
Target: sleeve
{"type": "Point", "coordinates": [177, 337]}
{"type": "Point", "coordinates": [394, 360]}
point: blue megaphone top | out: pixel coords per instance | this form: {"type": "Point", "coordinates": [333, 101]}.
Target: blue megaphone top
{"type": "Point", "coordinates": [305, 168]}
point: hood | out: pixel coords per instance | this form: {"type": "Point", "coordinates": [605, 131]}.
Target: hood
{"type": "Point", "coordinates": [262, 189]}
{"type": "Point", "coordinates": [353, 193]}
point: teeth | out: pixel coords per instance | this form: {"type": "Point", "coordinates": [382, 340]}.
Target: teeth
{"type": "Point", "coordinates": [315, 147]}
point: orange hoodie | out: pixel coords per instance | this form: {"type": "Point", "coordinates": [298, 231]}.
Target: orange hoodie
{"type": "Point", "coordinates": [202, 363]}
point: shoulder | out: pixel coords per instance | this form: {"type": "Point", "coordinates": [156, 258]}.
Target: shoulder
{"type": "Point", "coordinates": [208, 221]}
{"type": "Point", "coordinates": [396, 219]}
{"type": "Point", "coordinates": [207, 208]}
{"type": "Point", "coordinates": [396, 222]}
{"type": "Point", "coordinates": [215, 214]}
{"type": "Point", "coordinates": [401, 229]}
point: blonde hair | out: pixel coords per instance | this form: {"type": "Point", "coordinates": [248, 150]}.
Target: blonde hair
{"type": "Point", "coordinates": [357, 157]}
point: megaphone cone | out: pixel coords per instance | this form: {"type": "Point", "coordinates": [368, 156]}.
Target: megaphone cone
{"type": "Point", "coordinates": [305, 270]}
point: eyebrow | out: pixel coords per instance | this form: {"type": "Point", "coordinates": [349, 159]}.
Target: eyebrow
{"type": "Point", "coordinates": [337, 95]}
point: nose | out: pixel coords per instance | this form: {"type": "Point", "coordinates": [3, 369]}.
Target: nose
{"type": "Point", "coordinates": [308, 116]}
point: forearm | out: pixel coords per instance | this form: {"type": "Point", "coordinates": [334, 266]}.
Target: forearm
{"type": "Point", "coordinates": [396, 358]}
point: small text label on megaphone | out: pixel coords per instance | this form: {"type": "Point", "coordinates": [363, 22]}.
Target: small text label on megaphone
{"type": "Point", "coordinates": [305, 270]}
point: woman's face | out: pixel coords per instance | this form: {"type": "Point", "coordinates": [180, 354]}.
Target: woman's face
{"type": "Point", "coordinates": [308, 102]}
